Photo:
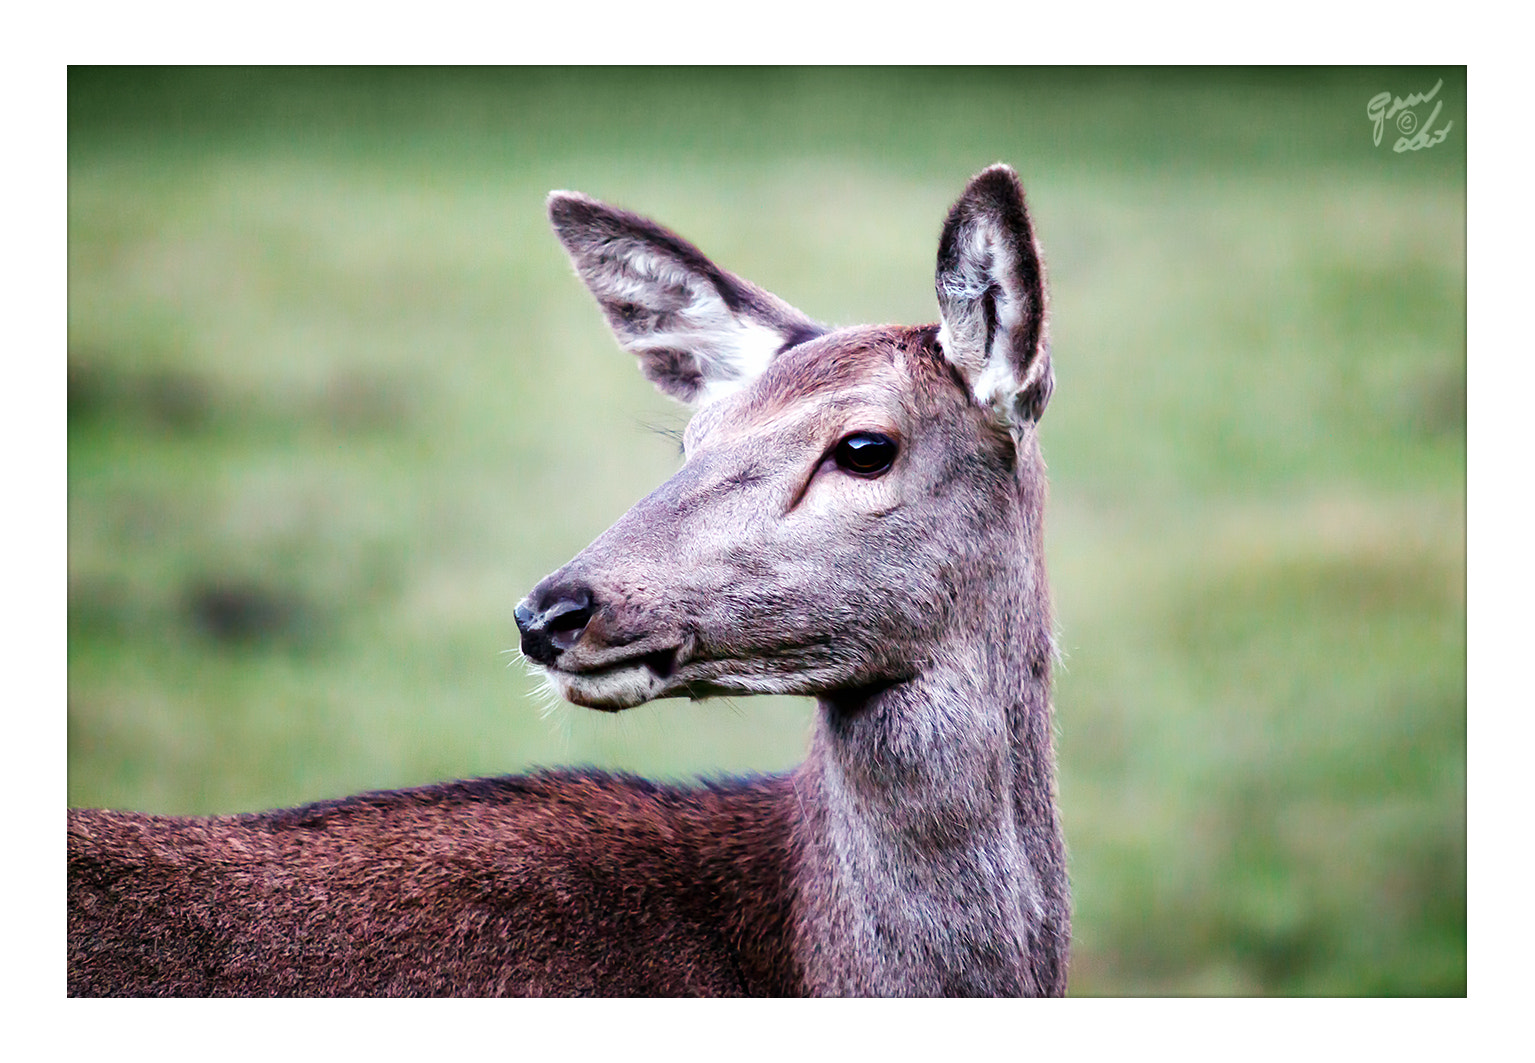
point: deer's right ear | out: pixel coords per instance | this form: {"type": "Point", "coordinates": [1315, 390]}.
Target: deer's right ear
{"type": "Point", "coordinates": [700, 332]}
{"type": "Point", "coordinates": [991, 294]}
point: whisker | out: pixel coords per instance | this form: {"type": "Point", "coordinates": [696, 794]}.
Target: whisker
{"type": "Point", "coordinates": [669, 431]}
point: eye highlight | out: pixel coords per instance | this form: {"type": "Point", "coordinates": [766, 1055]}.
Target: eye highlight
{"type": "Point", "coordinates": [866, 454]}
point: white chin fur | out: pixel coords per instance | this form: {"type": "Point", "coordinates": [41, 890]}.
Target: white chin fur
{"type": "Point", "coordinates": [621, 689]}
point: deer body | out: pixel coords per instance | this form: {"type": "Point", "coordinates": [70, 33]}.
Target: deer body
{"type": "Point", "coordinates": [859, 520]}
{"type": "Point", "coordinates": [553, 884]}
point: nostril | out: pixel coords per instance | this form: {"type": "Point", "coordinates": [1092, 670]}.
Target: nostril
{"type": "Point", "coordinates": [564, 621]}
{"type": "Point", "coordinates": [571, 619]}
{"type": "Point", "coordinates": [552, 621]}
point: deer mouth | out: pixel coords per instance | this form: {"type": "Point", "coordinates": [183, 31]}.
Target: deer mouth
{"type": "Point", "coordinates": [662, 663]}
{"type": "Point", "coordinates": [616, 685]}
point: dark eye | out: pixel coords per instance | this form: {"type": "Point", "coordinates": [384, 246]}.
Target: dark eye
{"type": "Point", "coordinates": [865, 453]}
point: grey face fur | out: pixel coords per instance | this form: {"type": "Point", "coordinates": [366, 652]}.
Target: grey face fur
{"type": "Point", "coordinates": [762, 566]}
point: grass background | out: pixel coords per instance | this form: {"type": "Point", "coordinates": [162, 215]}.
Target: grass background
{"type": "Point", "coordinates": [336, 403]}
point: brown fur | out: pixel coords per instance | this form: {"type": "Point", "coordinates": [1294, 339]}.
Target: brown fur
{"type": "Point", "coordinates": [554, 884]}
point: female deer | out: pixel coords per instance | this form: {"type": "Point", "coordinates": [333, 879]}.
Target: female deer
{"type": "Point", "coordinates": [858, 519]}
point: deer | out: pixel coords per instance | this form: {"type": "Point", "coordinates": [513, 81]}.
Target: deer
{"type": "Point", "coordinates": [857, 519]}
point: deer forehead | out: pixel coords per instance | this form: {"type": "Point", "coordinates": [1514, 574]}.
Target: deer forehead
{"type": "Point", "coordinates": [857, 379]}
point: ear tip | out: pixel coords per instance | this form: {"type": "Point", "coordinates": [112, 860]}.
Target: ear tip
{"type": "Point", "coordinates": [566, 206]}
{"type": "Point", "coordinates": [998, 179]}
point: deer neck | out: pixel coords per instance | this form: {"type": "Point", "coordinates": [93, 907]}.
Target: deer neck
{"type": "Point", "coordinates": [932, 856]}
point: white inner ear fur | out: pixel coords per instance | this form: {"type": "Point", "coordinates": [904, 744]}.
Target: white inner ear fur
{"type": "Point", "coordinates": [731, 350]}
{"type": "Point", "coordinates": [993, 379]}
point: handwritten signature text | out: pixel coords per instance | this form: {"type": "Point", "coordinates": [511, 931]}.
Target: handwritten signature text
{"type": "Point", "coordinates": [1384, 107]}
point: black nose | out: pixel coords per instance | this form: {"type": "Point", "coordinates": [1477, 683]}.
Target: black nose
{"type": "Point", "coordinates": [551, 620]}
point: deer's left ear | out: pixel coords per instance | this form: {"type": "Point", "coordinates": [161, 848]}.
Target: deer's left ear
{"type": "Point", "coordinates": [991, 294]}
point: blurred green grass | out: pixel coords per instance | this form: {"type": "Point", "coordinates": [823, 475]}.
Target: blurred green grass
{"type": "Point", "coordinates": [336, 403]}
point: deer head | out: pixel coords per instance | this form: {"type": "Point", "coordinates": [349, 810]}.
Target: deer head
{"type": "Point", "coordinates": [849, 497]}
